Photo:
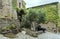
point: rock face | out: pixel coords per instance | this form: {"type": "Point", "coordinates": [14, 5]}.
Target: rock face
{"type": "Point", "coordinates": [6, 9]}
{"type": "Point", "coordinates": [50, 26]}
{"type": "Point", "coordinates": [0, 4]}
{"type": "Point", "coordinates": [9, 26]}
{"type": "Point", "coordinates": [4, 22]}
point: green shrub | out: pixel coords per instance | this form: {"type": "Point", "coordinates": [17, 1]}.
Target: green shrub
{"type": "Point", "coordinates": [5, 28]}
{"type": "Point", "coordinates": [12, 26]}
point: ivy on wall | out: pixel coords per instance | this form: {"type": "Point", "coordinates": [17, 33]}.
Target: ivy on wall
{"type": "Point", "coordinates": [50, 11]}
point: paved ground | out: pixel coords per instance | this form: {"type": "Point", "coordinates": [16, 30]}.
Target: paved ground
{"type": "Point", "coordinates": [46, 35]}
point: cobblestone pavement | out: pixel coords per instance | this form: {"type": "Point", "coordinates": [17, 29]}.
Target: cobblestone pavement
{"type": "Point", "coordinates": [46, 35]}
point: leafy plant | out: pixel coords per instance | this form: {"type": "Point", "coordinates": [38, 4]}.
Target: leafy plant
{"type": "Point", "coordinates": [12, 26]}
{"type": "Point", "coordinates": [41, 18]}
{"type": "Point", "coordinates": [4, 28]}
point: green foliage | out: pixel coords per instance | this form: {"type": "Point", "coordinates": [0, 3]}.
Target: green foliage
{"type": "Point", "coordinates": [4, 28]}
{"type": "Point", "coordinates": [26, 24]}
{"type": "Point", "coordinates": [28, 18]}
{"type": "Point", "coordinates": [21, 10]}
{"type": "Point", "coordinates": [41, 18]}
{"type": "Point", "coordinates": [50, 12]}
{"type": "Point", "coordinates": [12, 26]}
{"type": "Point", "coordinates": [32, 16]}
{"type": "Point", "coordinates": [41, 14]}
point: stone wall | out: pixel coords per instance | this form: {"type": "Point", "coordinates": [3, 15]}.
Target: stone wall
{"type": "Point", "coordinates": [50, 26]}
{"type": "Point", "coordinates": [7, 22]}
{"type": "Point", "coordinates": [0, 4]}
{"type": "Point", "coordinates": [7, 8]}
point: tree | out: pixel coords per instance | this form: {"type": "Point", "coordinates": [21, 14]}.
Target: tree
{"type": "Point", "coordinates": [41, 18]}
{"type": "Point", "coordinates": [33, 17]}
{"type": "Point", "coordinates": [30, 17]}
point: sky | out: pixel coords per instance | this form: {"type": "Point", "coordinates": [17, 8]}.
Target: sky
{"type": "Point", "coordinates": [32, 3]}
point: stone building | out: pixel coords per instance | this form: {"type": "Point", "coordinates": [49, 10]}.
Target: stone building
{"type": "Point", "coordinates": [7, 10]}
{"type": "Point", "coordinates": [48, 7]}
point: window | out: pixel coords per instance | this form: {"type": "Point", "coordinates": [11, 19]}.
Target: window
{"type": "Point", "coordinates": [19, 5]}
